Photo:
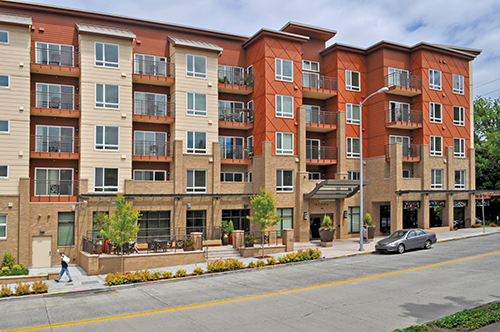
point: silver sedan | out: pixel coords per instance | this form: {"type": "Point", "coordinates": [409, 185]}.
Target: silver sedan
{"type": "Point", "coordinates": [406, 239]}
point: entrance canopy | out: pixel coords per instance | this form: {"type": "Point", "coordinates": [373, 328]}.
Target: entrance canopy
{"type": "Point", "coordinates": [331, 189]}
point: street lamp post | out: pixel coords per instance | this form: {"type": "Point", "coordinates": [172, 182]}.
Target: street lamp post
{"type": "Point", "coordinates": [361, 229]}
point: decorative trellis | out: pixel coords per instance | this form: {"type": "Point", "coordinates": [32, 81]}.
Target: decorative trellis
{"type": "Point", "coordinates": [459, 203]}
{"type": "Point", "coordinates": [411, 205]}
{"type": "Point", "coordinates": [435, 204]}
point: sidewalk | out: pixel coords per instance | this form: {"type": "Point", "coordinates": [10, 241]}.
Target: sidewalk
{"type": "Point", "coordinates": [340, 248]}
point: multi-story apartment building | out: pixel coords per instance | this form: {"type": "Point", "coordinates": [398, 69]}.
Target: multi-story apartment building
{"type": "Point", "coordinates": [189, 123]}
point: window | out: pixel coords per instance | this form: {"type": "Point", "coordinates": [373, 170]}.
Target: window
{"type": "Point", "coordinates": [353, 147]}
{"type": "Point", "coordinates": [314, 114]}
{"type": "Point", "coordinates": [150, 65]}
{"type": "Point", "coordinates": [435, 113]}
{"type": "Point", "coordinates": [314, 176]}
{"type": "Point", "coordinates": [66, 229]}
{"type": "Point", "coordinates": [53, 182]}
{"type": "Point", "coordinates": [458, 84]}
{"type": "Point", "coordinates": [3, 226]}
{"type": "Point", "coordinates": [55, 96]}
{"type": "Point", "coordinates": [153, 225]}
{"type": "Point", "coordinates": [284, 70]}
{"type": "Point", "coordinates": [150, 104]}
{"type": "Point", "coordinates": [313, 149]}
{"type": "Point", "coordinates": [353, 219]}
{"type": "Point", "coordinates": [459, 147]}
{"type": "Point", "coordinates": [196, 66]}
{"type": "Point", "coordinates": [231, 111]}
{"type": "Point", "coordinates": [434, 79]}
{"type": "Point", "coordinates": [399, 77]}
{"type": "Point", "coordinates": [353, 175]}
{"type": "Point", "coordinates": [231, 177]}
{"type": "Point", "coordinates": [310, 65]}
{"type": "Point", "coordinates": [460, 179]}
{"type": "Point", "coordinates": [149, 175]}
{"type": "Point", "coordinates": [196, 181]}
{"type": "Point", "coordinates": [250, 176]}
{"type": "Point", "coordinates": [458, 116]}
{"type": "Point", "coordinates": [4, 37]}
{"type": "Point", "coordinates": [406, 173]}
{"type": "Point", "coordinates": [196, 221]}
{"type": "Point", "coordinates": [284, 143]}
{"type": "Point", "coordinates": [196, 142]}
{"type": "Point", "coordinates": [436, 179]}
{"type": "Point", "coordinates": [106, 137]}
{"type": "Point", "coordinates": [284, 180]}
{"type": "Point", "coordinates": [4, 126]}
{"type": "Point", "coordinates": [106, 179]}
{"type": "Point", "coordinates": [150, 143]}
{"type": "Point", "coordinates": [232, 75]}
{"type": "Point", "coordinates": [54, 54]}
{"type": "Point", "coordinates": [352, 80]}
{"type": "Point", "coordinates": [4, 171]}
{"type": "Point", "coordinates": [4, 81]}
{"type": "Point", "coordinates": [405, 140]}
{"type": "Point", "coordinates": [54, 139]}
{"type": "Point", "coordinates": [106, 55]}
{"type": "Point", "coordinates": [399, 112]}
{"type": "Point", "coordinates": [196, 104]}
{"type": "Point", "coordinates": [436, 146]}
{"type": "Point", "coordinates": [286, 220]}
{"type": "Point", "coordinates": [107, 96]}
{"type": "Point", "coordinates": [284, 106]}
{"type": "Point", "coordinates": [232, 147]}
{"type": "Point", "coordinates": [250, 146]}
{"type": "Point", "coordinates": [352, 114]}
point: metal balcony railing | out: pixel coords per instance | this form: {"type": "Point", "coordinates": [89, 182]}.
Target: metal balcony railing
{"type": "Point", "coordinates": [410, 151]}
{"type": "Point", "coordinates": [319, 83]}
{"type": "Point", "coordinates": [231, 115]}
{"type": "Point", "coordinates": [321, 118]}
{"type": "Point", "coordinates": [235, 76]}
{"type": "Point", "coordinates": [153, 68]}
{"type": "Point", "coordinates": [321, 153]}
{"type": "Point", "coordinates": [54, 188]}
{"type": "Point", "coordinates": [151, 148]}
{"type": "Point", "coordinates": [55, 57]}
{"type": "Point", "coordinates": [235, 152]}
{"type": "Point", "coordinates": [55, 144]}
{"type": "Point", "coordinates": [154, 108]}
{"type": "Point", "coordinates": [403, 81]}
{"type": "Point", "coordinates": [404, 116]}
{"type": "Point", "coordinates": [55, 101]}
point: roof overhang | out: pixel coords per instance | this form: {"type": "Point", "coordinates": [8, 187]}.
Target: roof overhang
{"type": "Point", "coordinates": [192, 43]}
{"type": "Point", "coordinates": [15, 19]}
{"type": "Point", "coordinates": [275, 34]}
{"type": "Point", "coordinates": [309, 30]}
{"type": "Point", "coordinates": [103, 30]}
{"type": "Point", "coordinates": [333, 189]}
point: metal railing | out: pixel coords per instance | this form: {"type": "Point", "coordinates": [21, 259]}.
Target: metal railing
{"type": "Point", "coordinates": [54, 144]}
{"type": "Point", "coordinates": [259, 239]}
{"type": "Point", "coordinates": [236, 152]}
{"type": "Point", "coordinates": [231, 115]}
{"type": "Point", "coordinates": [54, 188]}
{"type": "Point", "coordinates": [55, 58]}
{"type": "Point", "coordinates": [149, 234]}
{"type": "Point", "coordinates": [319, 83]}
{"type": "Point", "coordinates": [57, 101]}
{"type": "Point", "coordinates": [151, 148]}
{"type": "Point", "coordinates": [321, 118]}
{"type": "Point", "coordinates": [404, 116]}
{"type": "Point", "coordinates": [404, 81]}
{"type": "Point", "coordinates": [410, 151]}
{"type": "Point", "coordinates": [153, 108]}
{"type": "Point", "coordinates": [153, 68]}
{"type": "Point", "coordinates": [321, 153]}
{"type": "Point", "coordinates": [235, 76]}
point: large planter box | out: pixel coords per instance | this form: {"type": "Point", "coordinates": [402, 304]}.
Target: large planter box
{"type": "Point", "coordinates": [326, 235]}
{"type": "Point", "coordinates": [371, 233]}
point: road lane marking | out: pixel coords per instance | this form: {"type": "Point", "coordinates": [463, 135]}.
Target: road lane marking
{"type": "Point", "coordinates": [206, 304]}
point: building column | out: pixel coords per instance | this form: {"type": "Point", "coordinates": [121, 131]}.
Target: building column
{"type": "Point", "coordinates": [448, 211]}
{"type": "Point", "coordinates": [424, 216]}
{"type": "Point", "coordinates": [396, 213]}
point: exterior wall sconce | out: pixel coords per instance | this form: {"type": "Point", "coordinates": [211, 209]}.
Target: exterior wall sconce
{"type": "Point", "coordinates": [305, 215]}
{"type": "Point", "coordinates": [345, 214]}
{"type": "Point", "coordinates": [188, 205]}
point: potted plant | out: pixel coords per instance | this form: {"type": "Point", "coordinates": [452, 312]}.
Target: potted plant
{"type": "Point", "coordinates": [189, 244]}
{"type": "Point", "coordinates": [224, 229]}
{"type": "Point", "coordinates": [249, 240]}
{"type": "Point", "coordinates": [230, 232]}
{"type": "Point", "coordinates": [369, 225]}
{"type": "Point", "coordinates": [327, 230]}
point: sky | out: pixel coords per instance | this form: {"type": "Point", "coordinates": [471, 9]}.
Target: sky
{"type": "Point", "coordinates": [361, 23]}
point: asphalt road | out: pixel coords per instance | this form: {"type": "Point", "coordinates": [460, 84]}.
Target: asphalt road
{"type": "Point", "coordinates": [368, 292]}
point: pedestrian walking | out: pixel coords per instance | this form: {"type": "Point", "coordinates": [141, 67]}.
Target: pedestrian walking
{"type": "Point", "coordinates": [64, 266]}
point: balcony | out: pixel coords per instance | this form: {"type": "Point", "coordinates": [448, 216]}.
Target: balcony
{"type": "Point", "coordinates": [54, 190]}
{"type": "Point", "coordinates": [318, 86]}
{"type": "Point", "coordinates": [235, 80]}
{"type": "Point", "coordinates": [410, 153]}
{"type": "Point", "coordinates": [55, 61]}
{"type": "Point", "coordinates": [54, 147]}
{"type": "Point", "coordinates": [403, 84]}
{"type": "Point", "coordinates": [235, 118]}
{"type": "Point", "coordinates": [55, 104]}
{"type": "Point", "coordinates": [153, 111]}
{"type": "Point", "coordinates": [322, 155]}
{"type": "Point", "coordinates": [153, 72]}
{"type": "Point", "coordinates": [400, 118]}
{"type": "Point", "coordinates": [235, 154]}
{"type": "Point", "coordinates": [151, 151]}
{"type": "Point", "coordinates": [320, 121]}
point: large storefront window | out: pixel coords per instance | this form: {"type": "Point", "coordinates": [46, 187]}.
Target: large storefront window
{"type": "Point", "coordinates": [66, 229]}
{"type": "Point", "coordinates": [353, 219]}
{"type": "Point", "coordinates": [153, 225]}
{"type": "Point", "coordinates": [239, 218]}
{"type": "Point", "coordinates": [286, 220]}
{"type": "Point", "coordinates": [196, 221]}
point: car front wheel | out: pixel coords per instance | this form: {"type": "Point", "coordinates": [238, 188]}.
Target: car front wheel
{"type": "Point", "coordinates": [428, 244]}
{"type": "Point", "coordinates": [401, 249]}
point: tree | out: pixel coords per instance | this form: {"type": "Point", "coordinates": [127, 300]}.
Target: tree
{"type": "Point", "coordinates": [264, 208]}
{"type": "Point", "coordinates": [122, 226]}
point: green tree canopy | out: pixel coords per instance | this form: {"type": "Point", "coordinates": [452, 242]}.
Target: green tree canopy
{"type": "Point", "coordinates": [121, 227]}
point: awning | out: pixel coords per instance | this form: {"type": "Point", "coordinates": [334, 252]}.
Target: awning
{"type": "Point", "coordinates": [331, 189]}
{"type": "Point", "coordinates": [201, 44]}
{"type": "Point", "coordinates": [15, 19]}
{"type": "Point", "coordinates": [102, 30]}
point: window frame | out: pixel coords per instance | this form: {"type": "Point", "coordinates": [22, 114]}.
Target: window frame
{"type": "Point", "coordinates": [8, 127]}
{"type": "Point", "coordinates": [194, 73]}
{"type": "Point", "coordinates": [348, 81]}
{"type": "Point", "coordinates": [4, 224]}
{"type": "Point", "coordinates": [280, 76]}
{"type": "Point", "coordinates": [224, 177]}
{"type": "Point", "coordinates": [304, 65]}
{"type": "Point", "coordinates": [70, 223]}
{"type": "Point", "coordinates": [433, 76]}
{"type": "Point", "coordinates": [281, 113]}
{"type": "Point", "coordinates": [154, 171]}
{"type": "Point", "coordinates": [59, 179]}
{"type": "Point", "coordinates": [106, 146]}
{"type": "Point", "coordinates": [106, 63]}
{"type": "Point", "coordinates": [461, 183]}
{"type": "Point", "coordinates": [280, 138]}
{"type": "Point", "coordinates": [314, 176]}
{"type": "Point", "coordinates": [280, 177]}
{"type": "Point", "coordinates": [106, 188]}
{"type": "Point", "coordinates": [461, 147]}
{"type": "Point", "coordinates": [461, 86]}
{"type": "Point", "coordinates": [8, 82]}
{"type": "Point", "coordinates": [461, 116]}
{"type": "Point", "coordinates": [353, 175]}
{"type": "Point", "coordinates": [408, 172]}
{"type": "Point", "coordinates": [39, 49]}
{"type": "Point", "coordinates": [194, 149]}
{"type": "Point", "coordinates": [6, 172]}
{"type": "Point", "coordinates": [195, 188]}
{"type": "Point", "coordinates": [194, 111]}
{"type": "Point", "coordinates": [140, 59]}
{"type": "Point", "coordinates": [352, 153]}
{"type": "Point", "coordinates": [350, 224]}
{"type": "Point", "coordinates": [349, 114]}
{"type": "Point", "coordinates": [434, 175]}
{"type": "Point", "coordinates": [433, 151]}
{"type": "Point", "coordinates": [144, 105]}
{"type": "Point", "coordinates": [432, 113]}
{"type": "Point", "coordinates": [7, 34]}
{"type": "Point", "coordinates": [106, 104]}
{"type": "Point", "coordinates": [289, 220]}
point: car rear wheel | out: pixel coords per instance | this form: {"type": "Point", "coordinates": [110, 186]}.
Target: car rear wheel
{"type": "Point", "coordinates": [428, 244]}
{"type": "Point", "coordinates": [401, 249]}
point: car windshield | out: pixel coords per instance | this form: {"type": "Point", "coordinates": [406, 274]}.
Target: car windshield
{"type": "Point", "coordinates": [397, 235]}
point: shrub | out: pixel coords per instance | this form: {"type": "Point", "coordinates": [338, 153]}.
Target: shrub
{"type": "Point", "coordinates": [271, 261]}
{"type": "Point", "coordinates": [224, 265]}
{"type": "Point", "coordinates": [8, 260]}
{"type": "Point", "coordinates": [22, 289]}
{"type": "Point", "coordinates": [283, 260]}
{"type": "Point", "coordinates": [5, 270]}
{"type": "Point", "coordinates": [260, 263]}
{"type": "Point", "coordinates": [251, 265]}
{"type": "Point", "coordinates": [198, 271]}
{"type": "Point", "coordinates": [39, 287]}
{"type": "Point", "coordinates": [16, 268]}
{"type": "Point", "coordinates": [5, 291]}
{"type": "Point", "coordinates": [180, 273]}
{"type": "Point", "coordinates": [166, 275]}
{"type": "Point", "coordinates": [22, 266]}
{"type": "Point", "coordinates": [155, 276]}
{"type": "Point", "coordinates": [493, 225]}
